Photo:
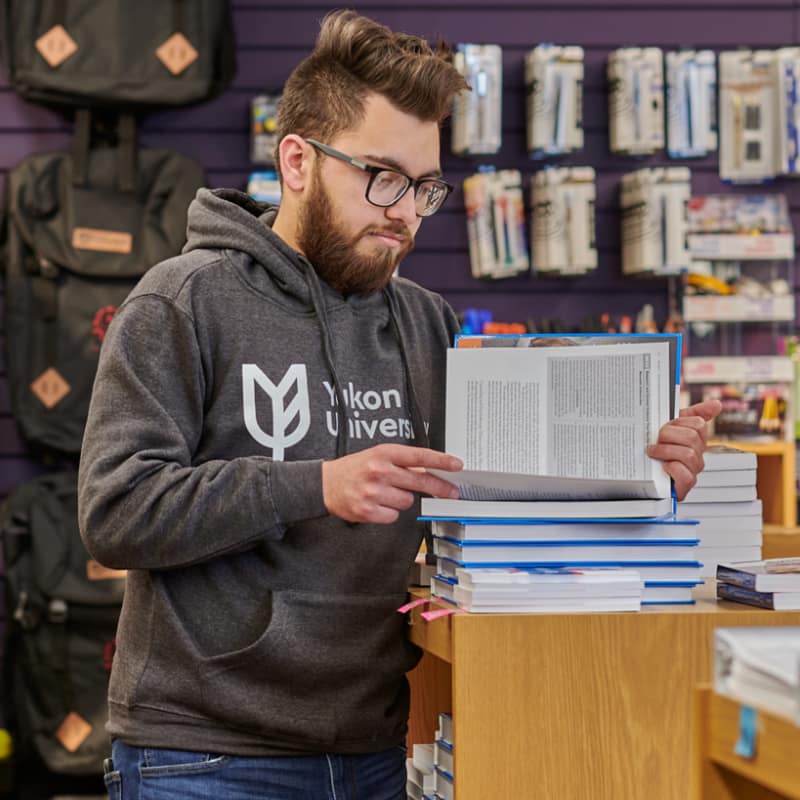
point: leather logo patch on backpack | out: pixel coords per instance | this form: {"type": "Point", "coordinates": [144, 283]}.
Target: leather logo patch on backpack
{"type": "Point", "coordinates": [102, 241]}
{"type": "Point", "coordinates": [177, 53]}
{"type": "Point", "coordinates": [50, 388]}
{"type": "Point", "coordinates": [73, 731]}
{"type": "Point", "coordinates": [56, 46]}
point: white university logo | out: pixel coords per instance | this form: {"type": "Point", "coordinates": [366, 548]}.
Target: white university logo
{"type": "Point", "coordinates": [284, 415]}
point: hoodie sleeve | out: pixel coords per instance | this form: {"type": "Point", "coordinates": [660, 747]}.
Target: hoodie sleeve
{"type": "Point", "coordinates": [143, 503]}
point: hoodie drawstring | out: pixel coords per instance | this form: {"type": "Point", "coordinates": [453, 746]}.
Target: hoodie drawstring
{"type": "Point", "coordinates": [417, 423]}
{"type": "Point", "coordinates": [318, 303]}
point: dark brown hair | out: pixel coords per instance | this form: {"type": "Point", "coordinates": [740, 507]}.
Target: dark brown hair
{"type": "Point", "coordinates": [354, 56]}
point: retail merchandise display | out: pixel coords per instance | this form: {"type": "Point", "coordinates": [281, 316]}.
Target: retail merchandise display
{"type": "Point", "coordinates": [691, 103]}
{"type": "Point", "coordinates": [739, 305]}
{"type": "Point", "coordinates": [759, 112]}
{"type": "Point", "coordinates": [654, 228]}
{"type": "Point", "coordinates": [563, 221]}
{"type": "Point", "coordinates": [553, 509]}
{"type": "Point", "coordinates": [174, 53]}
{"type": "Point", "coordinates": [477, 114]}
{"type": "Point", "coordinates": [496, 224]}
{"type": "Point", "coordinates": [82, 226]}
{"type": "Point", "coordinates": [554, 89]}
{"type": "Point", "coordinates": [263, 124]}
{"type": "Point", "coordinates": [636, 100]}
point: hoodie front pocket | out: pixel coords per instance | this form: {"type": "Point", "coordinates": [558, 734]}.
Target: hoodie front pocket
{"type": "Point", "coordinates": [328, 668]}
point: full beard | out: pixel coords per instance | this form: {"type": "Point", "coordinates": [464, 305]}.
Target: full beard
{"type": "Point", "coordinates": [333, 254]}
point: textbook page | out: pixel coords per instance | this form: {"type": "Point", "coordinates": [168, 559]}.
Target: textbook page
{"type": "Point", "coordinates": [581, 412]}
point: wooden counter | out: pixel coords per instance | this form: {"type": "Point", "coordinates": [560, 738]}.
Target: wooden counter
{"type": "Point", "coordinates": [571, 706]}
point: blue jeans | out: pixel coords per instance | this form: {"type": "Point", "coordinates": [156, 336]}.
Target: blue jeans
{"type": "Point", "coordinates": [141, 773]}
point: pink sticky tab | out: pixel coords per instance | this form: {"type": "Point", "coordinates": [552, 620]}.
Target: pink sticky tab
{"type": "Point", "coordinates": [420, 601]}
{"type": "Point", "coordinates": [429, 616]}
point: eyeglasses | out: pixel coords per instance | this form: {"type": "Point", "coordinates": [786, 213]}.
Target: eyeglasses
{"type": "Point", "coordinates": [387, 186]}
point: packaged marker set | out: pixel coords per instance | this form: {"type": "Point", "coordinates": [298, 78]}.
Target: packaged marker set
{"type": "Point", "coordinates": [636, 100]}
{"type": "Point", "coordinates": [476, 122]}
{"type": "Point", "coordinates": [759, 114]}
{"type": "Point", "coordinates": [563, 221]}
{"type": "Point", "coordinates": [748, 116]}
{"type": "Point", "coordinates": [554, 99]}
{"type": "Point", "coordinates": [691, 103]}
{"type": "Point", "coordinates": [654, 221]}
{"type": "Point", "coordinates": [496, 224]}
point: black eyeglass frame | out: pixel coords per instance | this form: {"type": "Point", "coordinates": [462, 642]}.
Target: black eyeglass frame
{"type": "Point", "coordinates": [374, 171]}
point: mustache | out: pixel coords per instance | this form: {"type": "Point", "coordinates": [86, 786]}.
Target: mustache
{"type": "Point", "coordinates": [398, 229]}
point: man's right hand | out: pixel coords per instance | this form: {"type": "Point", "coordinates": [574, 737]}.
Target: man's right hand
{"type": "Point", "coordinates": [376, 484]}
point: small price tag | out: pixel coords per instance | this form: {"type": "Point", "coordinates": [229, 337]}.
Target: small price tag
{"type": "Point", "coordinates": [748, 724]}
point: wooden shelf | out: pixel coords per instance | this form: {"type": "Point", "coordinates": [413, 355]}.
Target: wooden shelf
{"type": "Point", "coordinates": [571, 705]}
{"type": "Point", "coordinates": [776, 479]}
{"type": "Point", "coordinates": [721, 774]}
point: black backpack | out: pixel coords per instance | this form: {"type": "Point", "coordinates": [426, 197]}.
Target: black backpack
{"type": "Point", "coordinates": [82, 228]}
{"type": "Point", "coordinates": [62, 614]}
{"type": "Point", "coordinates": [118, 53]}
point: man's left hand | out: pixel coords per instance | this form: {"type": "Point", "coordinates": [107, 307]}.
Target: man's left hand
{"type": "Point", "coordinates": [681, 443]}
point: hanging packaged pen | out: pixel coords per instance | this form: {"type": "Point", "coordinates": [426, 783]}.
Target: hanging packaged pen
{"type": "Point", "coordinates": [788, 75]}
{"type": "Point", "coordinates": [563, 221]}
{"type": "Point", "coordinates": [263, 123]}
{"type": "Point", "coordinates": [691, 103]}
{"type": "Point", "coordinates": [554, 90]}
{"type": "Point", "coordinates": [654, 221]}
{"type": "Point", "coordinates": [636, 100]}
{"type": "Point", "coordinates": [477, 113]}
{"type": "Point", "coordinates": [496, 224]}
{"type": "Point", "coordinates": [748, 116]}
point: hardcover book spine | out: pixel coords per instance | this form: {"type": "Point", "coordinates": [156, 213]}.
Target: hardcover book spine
{"type": "Point", "coordinates": [726, 591]}
{"type": "Point", "coordinates": [732, 576]}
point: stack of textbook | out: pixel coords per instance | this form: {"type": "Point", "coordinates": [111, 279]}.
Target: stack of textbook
{"type": "Point", "coordinates": [724, 501]}
{"type": "Point", "coordinates": [773, 583]}
{"type": "Point", "coordinates": [547, 589]}
{"type": "Point", "coordinates": [430, 771]}
{"type": "Point", "coordinates": [557, 482]}
{"type": "Point", "coordinates": [420, 774]}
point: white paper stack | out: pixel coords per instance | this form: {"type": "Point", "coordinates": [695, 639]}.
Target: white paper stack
{"type": "Point", "coordinates": [724, 501]}
{"type": "Point", "coordinates": [760, 667]}
{"type": "Point", "coordinates": [420, 777]}
{"type": "Point", "coordinates": [549, 590]}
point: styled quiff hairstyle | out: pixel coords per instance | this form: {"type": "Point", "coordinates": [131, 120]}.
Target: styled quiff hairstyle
{"type": "Point", "coordinates": [353, 57]}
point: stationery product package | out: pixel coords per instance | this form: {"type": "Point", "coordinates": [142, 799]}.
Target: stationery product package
{"type": "Point", "coordinates": [563, 221]}
{"type": "Point", "coordinates": [476, 122]}
{"type": "Point", "coordinates": [554, 90]}
{"type": "Point", "coordinates": [748, 116]}
{"type": "Point", "coordinates": [691, 103]}
{"type": "Point", "coordinates": [654, 221]}
{"type": "Point", "coordinates": [636, 100]}
{"type": "Point", "coordinates": [496, 224]}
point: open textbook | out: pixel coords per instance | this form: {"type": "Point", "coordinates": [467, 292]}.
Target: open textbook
{"type": "Point", "coordinates": [567, 421]}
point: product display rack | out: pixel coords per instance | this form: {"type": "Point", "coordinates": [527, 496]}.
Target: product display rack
{"type": "Point", "coordinates": [743, 248]}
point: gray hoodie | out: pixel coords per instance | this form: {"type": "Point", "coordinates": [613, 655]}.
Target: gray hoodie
{"type": "Point", "coordinates": [254, 623]}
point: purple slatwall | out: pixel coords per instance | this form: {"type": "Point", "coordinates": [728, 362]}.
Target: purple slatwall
{"type": "Point", "coordinates": [272, 37]}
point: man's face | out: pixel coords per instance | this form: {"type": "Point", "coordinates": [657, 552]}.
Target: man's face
{"type": "Point", "coordinates": [354, 245]}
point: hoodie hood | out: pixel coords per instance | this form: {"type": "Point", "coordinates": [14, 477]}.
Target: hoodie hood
{"type": "Point", "coordinates": [227, 219]}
